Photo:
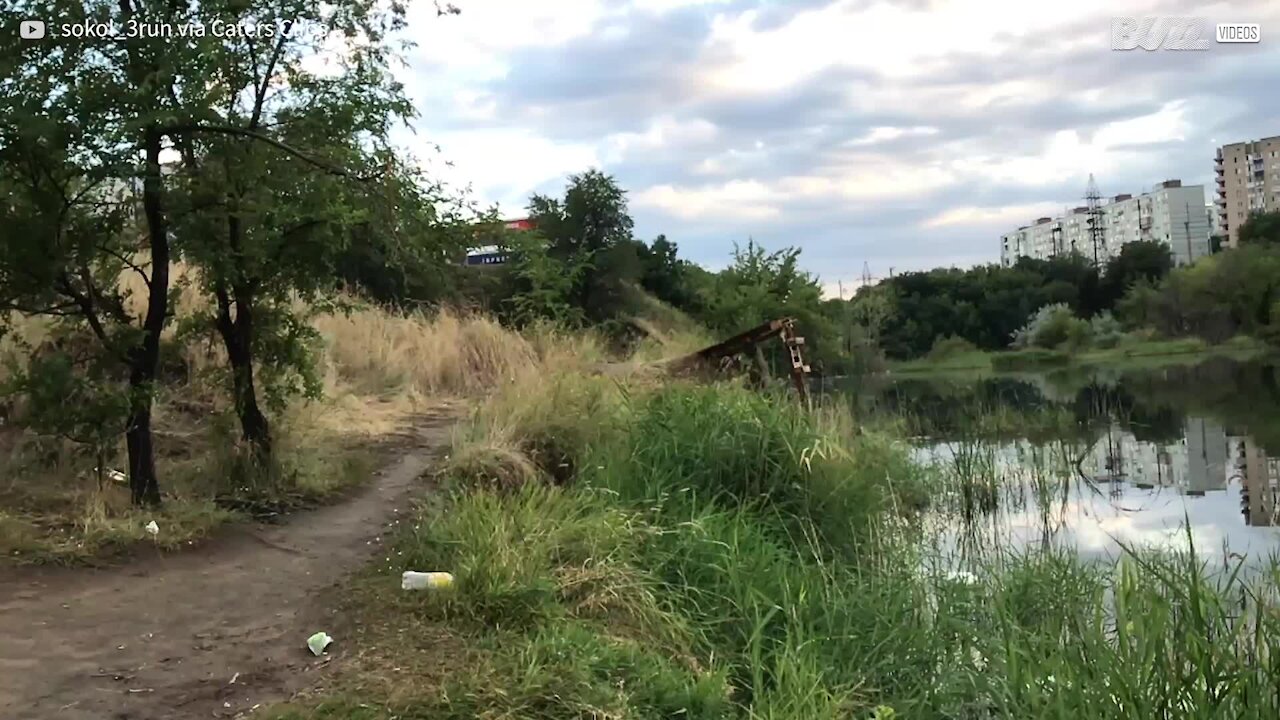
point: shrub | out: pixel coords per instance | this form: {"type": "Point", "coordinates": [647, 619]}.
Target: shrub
{"type": "Point", "coordinates": [949, 347]}
{"type": "Point", "coordinates": [1051, 327]}
{"type": "Point", "coordinates": [1105, 330]}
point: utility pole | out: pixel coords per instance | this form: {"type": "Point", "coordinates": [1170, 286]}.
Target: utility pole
{"type": "Point", "coordinates": [1097, 233]}
{"type": "Point", "coordinates": [1186, 224]}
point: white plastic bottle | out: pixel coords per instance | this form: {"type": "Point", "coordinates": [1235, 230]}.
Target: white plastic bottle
{"type": "Point", "coordinates": [425, 580]}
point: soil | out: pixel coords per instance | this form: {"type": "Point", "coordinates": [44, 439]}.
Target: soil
{"type": "Point", "coordinates": [215, 631]}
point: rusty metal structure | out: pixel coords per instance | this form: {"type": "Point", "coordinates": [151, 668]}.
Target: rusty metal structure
{"type": "Point", "coordinates": [726, 355]}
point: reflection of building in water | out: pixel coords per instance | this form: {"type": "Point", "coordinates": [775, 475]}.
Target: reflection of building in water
{"type": "Point", "coordinates": [1206, 456]}
{"type": "Point", "coordinates": [1194, 466]}
{"type": "Point", "coordinates": [1260, 487]}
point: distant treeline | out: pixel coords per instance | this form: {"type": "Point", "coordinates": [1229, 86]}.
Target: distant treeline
{"type": "Point", "coordinates": [583, 263]}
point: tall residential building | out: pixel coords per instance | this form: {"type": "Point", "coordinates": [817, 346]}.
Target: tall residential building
{"type": "Point", "coordinates": [1172, 214]}
{"type": "Point", "coordinates": [1248, 178]}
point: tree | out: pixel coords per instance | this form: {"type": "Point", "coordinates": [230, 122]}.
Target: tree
{"type": "Point", "coordinates": [1143, 260]}
{"type": "Point", "coordinates": [544, 284]}
{"type": "Point", "coordinates": [1261, 228]}
{"type": "Point", "coordinates": [665, 275]}
{"type": "Point", "coordinates": [82, 132]}
{"type": "Point", "coordinates": [581, 228]}
{"type": "Point", "coordinates": [277, 166]}
{"type": "Point", "coordinates": [286, 165]}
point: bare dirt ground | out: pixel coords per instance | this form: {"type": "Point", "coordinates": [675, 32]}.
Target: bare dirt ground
{"type": "Point", "coordinates": [212, 632]}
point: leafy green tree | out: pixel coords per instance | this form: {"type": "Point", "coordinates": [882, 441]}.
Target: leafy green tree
{"type": "Point", "coordinates": [1144, 260]}
{"type": "Point", "coordinates": [760, 286]}
{"type": "Point", "coordinates": [284, 166]}
{"type": "Point", "coordinates": [581, 230]}
{"type": "Point", "coordinates": [82, 131]}
{"type": "Point", "coordinates": [1261, 228]}
{"type": "Point", "coordinates": [666, 276]}
{"type": "Point", "coordinates": [1217, 297]}
{"type": "Point", "coordinates": [545, 284]}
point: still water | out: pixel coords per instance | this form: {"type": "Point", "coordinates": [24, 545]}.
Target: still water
{"type": "Point", "coordinates": [1099, 459]}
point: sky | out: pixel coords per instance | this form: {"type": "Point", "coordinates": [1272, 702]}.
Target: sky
{"type": "Point", "coordinates": [899, 134]}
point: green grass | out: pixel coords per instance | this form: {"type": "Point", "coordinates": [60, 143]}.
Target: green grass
{"type": "Point", "coordinates": [1131, 353]}
{"type": "Point", "coordinates": [717, 554]}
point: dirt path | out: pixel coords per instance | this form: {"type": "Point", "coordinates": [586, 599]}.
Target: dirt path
{"type": "Point", "coordinates": [164, 638]}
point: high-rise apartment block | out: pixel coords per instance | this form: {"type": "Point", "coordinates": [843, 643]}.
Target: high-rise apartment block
{"type": "Point", "coordinates": [1248, 179]}
{"type": "Point", "coordinates": [1173, 214]}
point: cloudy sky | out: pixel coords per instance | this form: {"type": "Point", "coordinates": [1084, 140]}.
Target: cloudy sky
{"type": "Point", "coordinates": [905, 134]}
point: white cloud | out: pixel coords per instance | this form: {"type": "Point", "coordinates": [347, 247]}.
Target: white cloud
{"type": "Point", "coordinates": [893, 40]}
{"type": "Point", "coordinates": [735, 200]}
{"type": "Point", "coordinates": [923, 77]}
{"type": "Point", "coordinates": [1067, 154]}
{"type": "Point", "coordinates": [664, 133]}
{"type": "Point", "coordinates": [884, 134]}
{"type": "Point", "coordinates": [875, 179]}
{"type": "Point", "coordinates": [970, 215]}
{"type": "Point", "coordinates": [488, 29]}
{"type": "Point", "coordinates": [662, 6]}
{"type": "Point", "coordinates": [506, 165]}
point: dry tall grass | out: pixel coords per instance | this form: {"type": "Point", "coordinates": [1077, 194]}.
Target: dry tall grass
{"type": "Point", "coordinates": [380, 368]}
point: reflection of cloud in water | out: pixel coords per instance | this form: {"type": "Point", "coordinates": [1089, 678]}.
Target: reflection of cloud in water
{"type": "Point", "coordinates": [1196, 483]}
{"type": "Point", "coordinates": [1096, 527]}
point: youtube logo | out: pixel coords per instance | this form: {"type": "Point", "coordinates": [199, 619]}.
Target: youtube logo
{"type": "Point", "coordinates": [31, 29]}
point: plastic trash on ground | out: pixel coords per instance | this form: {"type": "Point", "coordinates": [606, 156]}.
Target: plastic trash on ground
{"type": "Point", "coordinates": [412, 580]}
{"type": "Point", "coordinates": [318, 642]}
{"type": "Point", "coordinates": [152, 528]}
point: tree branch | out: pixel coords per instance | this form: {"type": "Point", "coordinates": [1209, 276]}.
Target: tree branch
{"type": "Point", "coordinates": [128, 263]}
{"type": "Point", "coordinates": [86, 308]}
{"type": "Point", "coordinates": [252, 134]}
{"type": "Point", "coordinates": [260, 92]}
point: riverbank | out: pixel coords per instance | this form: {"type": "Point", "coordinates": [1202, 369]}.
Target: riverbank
{"type": "Point", "coordinates": [1131, 353]}
{"type": "Point", "coordinates": [637, 547]}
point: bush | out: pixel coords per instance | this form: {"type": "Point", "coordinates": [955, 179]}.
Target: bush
{"type": "Point", "coordinates": [945, 348]}
{"type": "Point", "coordinates": [1105, 330]}
{"type": "Point", "coordinates": [1052, 326]}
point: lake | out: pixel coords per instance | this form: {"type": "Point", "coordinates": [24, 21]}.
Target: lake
{"type": "Point", "coordinates": [1096, 459]}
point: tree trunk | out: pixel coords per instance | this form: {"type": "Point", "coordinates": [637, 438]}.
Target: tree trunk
{"type": "Point", "coordinates": [237, 337]}
{"type": "Point", "coordinates": [143, 485]}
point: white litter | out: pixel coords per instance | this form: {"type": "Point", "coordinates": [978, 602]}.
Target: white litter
{"type": "Point", "coordinates": [318, 642]}
{"type": "Point", "coordinates": [411, 580]}
{"type": "Point", "coordinates": [152, 528]}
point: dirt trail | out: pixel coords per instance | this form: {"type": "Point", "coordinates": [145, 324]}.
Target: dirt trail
{"type": "Point", "coordinates": [163, 638]}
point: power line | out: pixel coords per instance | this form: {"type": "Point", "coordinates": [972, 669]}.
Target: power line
{"type": "Point", "coordinates": [1093, 206]}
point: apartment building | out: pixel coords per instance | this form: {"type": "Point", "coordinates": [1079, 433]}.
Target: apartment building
{"type": "Point", "coordinates": [1215, 225]}
{"type": "Point", "coordinates": [1248, 181]}
{"type": "Point", "coordinates": [1171, 213]}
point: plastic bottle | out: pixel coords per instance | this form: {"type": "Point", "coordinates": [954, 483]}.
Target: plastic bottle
{"type": "Point", "coordinates": [412, 580]}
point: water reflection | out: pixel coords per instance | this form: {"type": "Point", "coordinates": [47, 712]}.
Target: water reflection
{"type": "Point", "coordinates": [1098, 461]}
{"type": "Point", "coordinates": [1261, 485]}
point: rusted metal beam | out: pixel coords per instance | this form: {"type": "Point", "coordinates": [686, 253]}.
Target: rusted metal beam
{"type": "Point", "coordinates": [725, 354]}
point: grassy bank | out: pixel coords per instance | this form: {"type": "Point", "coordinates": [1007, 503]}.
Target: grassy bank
{"type": "Point", "coordinates": [1131, 353]}
{"type": "Point", "coordinates": [379, 370]}
{"type": "Point", "coordinates": [627, 548]}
